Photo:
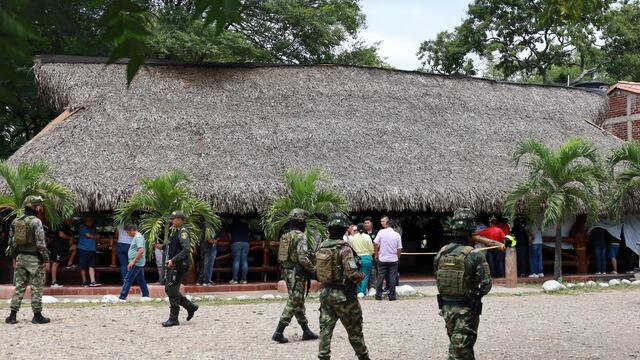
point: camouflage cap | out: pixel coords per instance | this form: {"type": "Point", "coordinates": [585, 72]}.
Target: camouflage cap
{"type": "Point", "coordinates": [32, 200]}
{"type": "Point", "coordinates": [463, 219]}
{"type": "Point", "coordinates": [338, 220]}
{"type": "Point", "coordinates": [298, 214]}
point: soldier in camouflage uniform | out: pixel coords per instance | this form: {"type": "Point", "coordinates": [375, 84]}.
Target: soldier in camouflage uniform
{"type": "Point", "coordinates": [338, 300]}
{"type": "Point", "coordinates": [177, 264]}
{"type": "Point", "coordinates": [459, 296]}
{"type": "Point", "coordinates": [31, 259]}
{"type": "Point", "coordinates": [296, 261]}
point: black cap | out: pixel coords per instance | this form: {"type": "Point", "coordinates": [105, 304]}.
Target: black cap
{"type": "Point", "coordinates": [176, 214]}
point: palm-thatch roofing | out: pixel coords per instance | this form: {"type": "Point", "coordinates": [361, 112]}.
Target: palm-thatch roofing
{"type": "Point", "coordinates": [390, 140]}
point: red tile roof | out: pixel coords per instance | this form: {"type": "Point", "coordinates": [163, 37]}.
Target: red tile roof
{"type": "Point", "coordinates": [626, 86]}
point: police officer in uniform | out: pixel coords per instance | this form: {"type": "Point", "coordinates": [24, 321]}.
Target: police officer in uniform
{"type": "Point", "coordinates": [28, 244]}
{"type": "Point", "coordinates": [296, 261]}
{"type": "Point", "coordinates": [177, 264]}
{"type": "Point", "coordinates": [459, 297]}
{"type": "Point", "coordinates": [339, 273]}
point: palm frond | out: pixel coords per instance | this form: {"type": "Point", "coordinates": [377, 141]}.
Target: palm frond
{"type": "Point", "coordinates": [531, 147]}
{"type": "Point", "coordinates": [304, 192]}
{"type": "Point", "coordinates": [577, 148]}
{"type": "Point", "coordinates": [158, 198]}
{"type": "Point", "coordinates": [33, 178]}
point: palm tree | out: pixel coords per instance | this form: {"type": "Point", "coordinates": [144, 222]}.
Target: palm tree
{"type": "Point", "coordinates": [34, 178]}
{"type": "Point", "coordinates": [559, 182]}
{"type": "Point", "coordinates": [157, 199]}
{"type": "Point", "coordinates": [303, 193]}
{"type": "Point", "coordinates": [627, 179]}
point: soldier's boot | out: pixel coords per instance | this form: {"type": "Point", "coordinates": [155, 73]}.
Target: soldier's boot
{"type": "Point", "coordinates": [39, 319]}
{"type": "Point", "coordinates": [171, 322]}
{"type": "Point", "coordinates": [191, 311]}
{"type": "Point", "coordinates": [278, 336]}
{"type": "Point", "coordinates": [11, 319]}
{"type": "Point", "coordinates": [307, 334]}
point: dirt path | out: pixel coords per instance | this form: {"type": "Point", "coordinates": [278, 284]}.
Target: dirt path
{"type": "Point", "coordinates": [603, 325]}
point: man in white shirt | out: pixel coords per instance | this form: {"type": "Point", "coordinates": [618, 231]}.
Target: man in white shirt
{"type": "Point", "coordinates": [388, 246]}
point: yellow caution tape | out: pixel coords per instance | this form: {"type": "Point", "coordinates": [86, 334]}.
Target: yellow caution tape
{"type": "Point", "coordinates": [474, 250]}
{"type": "Point", "coordinates": [429, 253]}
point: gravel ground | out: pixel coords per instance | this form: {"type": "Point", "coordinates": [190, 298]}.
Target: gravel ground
{"type": "Point", "coordinates": [601, 325]}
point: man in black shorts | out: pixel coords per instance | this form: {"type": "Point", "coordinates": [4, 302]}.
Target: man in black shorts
{"type": "Point", "coordinates": [61, 246]}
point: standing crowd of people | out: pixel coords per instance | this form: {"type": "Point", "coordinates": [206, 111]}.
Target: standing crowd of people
{"type": "Point", "coordinates": [379, 252]}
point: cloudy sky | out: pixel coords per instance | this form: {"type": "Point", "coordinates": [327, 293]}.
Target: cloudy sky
{"type": "Point", "coordinates": [402, 25]}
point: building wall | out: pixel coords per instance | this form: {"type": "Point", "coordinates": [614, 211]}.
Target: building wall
{"type": "Point", "coordinates": [623, 117]}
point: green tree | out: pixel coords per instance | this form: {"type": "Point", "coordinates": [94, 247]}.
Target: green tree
{"type": "Point", "coordinates": [301, 31]}
{"type": "Point", "coordinates": [621, 37]}
{"type": "Point", "coordinates": [304, 192]}
{"type": "Point", "coordinates": [521, 38]}
{"type": "Point", "coordinates": [272, 31]}
{"type": "Point", "coordinates": [34, 178]}
{"type": "Point", "coordinates": [624, 169]}
{"type": "Point", "coordinates": [157, 199]}
{"type": "Point", "coordinates": [559, 183]}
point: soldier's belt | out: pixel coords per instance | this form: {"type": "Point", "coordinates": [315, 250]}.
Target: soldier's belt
{"type": "Point", "coordinates": [334, 286]}
{"type": "Point", "coordinates": [463, 303]}
{"type": "Point", "coordinates": [28, 253]}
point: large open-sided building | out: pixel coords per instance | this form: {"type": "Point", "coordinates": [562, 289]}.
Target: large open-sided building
{"type": "Point", "coordinates": [392, 141]}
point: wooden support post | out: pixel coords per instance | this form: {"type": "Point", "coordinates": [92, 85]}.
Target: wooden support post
{"type": "Point", "coordinates": [580, 245]}
{"type": "Point", "coordinates": [511, 268]}
{"type": "Point", "coordinates": [114, 257]}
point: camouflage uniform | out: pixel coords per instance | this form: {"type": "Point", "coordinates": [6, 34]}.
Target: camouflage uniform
{"type": "Point", "coordinates": [461, 322]}
{"type": "Point", "coordinates": [297, 264]}
{"type": "Point", "coordinates": [334, 305]}
{"type": "Point", "coordinates": [29, 269]}
{"type": "Point", "coordinates": [294, 276]}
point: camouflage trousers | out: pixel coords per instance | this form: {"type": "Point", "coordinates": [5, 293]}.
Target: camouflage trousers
{"type": "Point", "coordinates": [295, 303]}
{"type": "Point", "coordinates": [334, 306]}
{"type": "Point", "coordinates": [28, 272]}
{"type": "Point", "coordinates": [462, 328]}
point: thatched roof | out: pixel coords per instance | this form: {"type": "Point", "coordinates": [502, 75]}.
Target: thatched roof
{"type": "Point", "coordinates": [391, 140]}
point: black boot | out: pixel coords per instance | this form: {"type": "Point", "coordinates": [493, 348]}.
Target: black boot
{"type": "Point", "coordinates": [364, 357]}
{"type": "Point", "coordinates": [307, 334]}
{"type": "Point", "coordinates": [279, 334]}
{"type": "Point", "coordinates": [192, 310]}
{"type": "Point", "coordinates": [171, 322]}
{"type": "Point", "coordinates": [39, 319]}
{"type": "Point", "coordinates": [11, 319]}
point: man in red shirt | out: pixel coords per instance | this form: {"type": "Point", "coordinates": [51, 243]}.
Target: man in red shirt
{"type": "Point", "coordinates": [495, 257]}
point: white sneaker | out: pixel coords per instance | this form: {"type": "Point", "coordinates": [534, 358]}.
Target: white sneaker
{"type": "Point", "coordinates": [56, 285]}
{"type": "Point", "coordinates": [122, 300]}
{"type": "Point", "coordinates": [541, 275]}
{"type": "Point", "coordinates": [533, 276]}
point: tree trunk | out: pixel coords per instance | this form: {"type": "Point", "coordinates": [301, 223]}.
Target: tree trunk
{"type": "Point", "coordinates": [557, 265]}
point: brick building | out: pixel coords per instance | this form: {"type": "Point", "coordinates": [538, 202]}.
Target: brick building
{"type": "Point", "coordinates": [623, 116]}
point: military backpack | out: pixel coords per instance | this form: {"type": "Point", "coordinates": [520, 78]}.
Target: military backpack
{"type": "Point", "coordinates": [287, 242]}
{"type": "Point", "coordinates": [22, 233]}
{"type": "Point", "coordinates": [329, 267]}
{"type": "Point", "coordinates": [452, 277]}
